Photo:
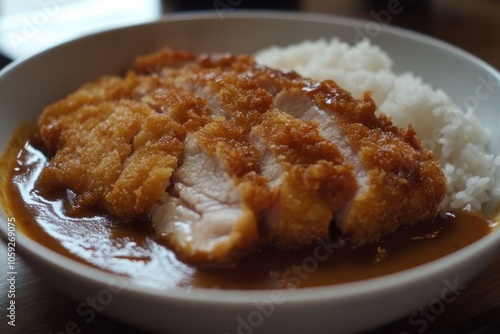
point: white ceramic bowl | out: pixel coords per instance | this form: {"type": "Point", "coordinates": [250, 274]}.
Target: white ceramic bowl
{"type": "Point", "coordinates": [27, 86]}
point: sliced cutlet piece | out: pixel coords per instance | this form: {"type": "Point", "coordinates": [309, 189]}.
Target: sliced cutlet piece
{"type": "Point", "coordinates": [205, 217]}
{"type": "Point", "coordinates": [209, 216]}
{"type": "Point", "coordinates": [399, 180]}
{"type": "Point", "coordinates": [312, 180]}
{"type": "Point", "coordinates": [211, 213]}
{"type": "Point", "coordinates": [116, 155]}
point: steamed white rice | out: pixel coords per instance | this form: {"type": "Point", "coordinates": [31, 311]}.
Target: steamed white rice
{"type": "Point", "coordinates": [454, 135]}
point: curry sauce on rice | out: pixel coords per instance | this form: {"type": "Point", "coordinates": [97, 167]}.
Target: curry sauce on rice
{"type": "Point", "coordinates": [223, 158]}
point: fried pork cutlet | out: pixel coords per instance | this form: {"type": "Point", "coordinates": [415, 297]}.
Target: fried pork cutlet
{"type": "Point", "coordinates": [225, 156]}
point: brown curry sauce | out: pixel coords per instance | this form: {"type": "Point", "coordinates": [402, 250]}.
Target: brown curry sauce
{"type": "Point", "coordinates": [131, 249]}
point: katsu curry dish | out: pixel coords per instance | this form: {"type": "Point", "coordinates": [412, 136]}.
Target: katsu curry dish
{"type": "Point", "coordinates": [217, 170]}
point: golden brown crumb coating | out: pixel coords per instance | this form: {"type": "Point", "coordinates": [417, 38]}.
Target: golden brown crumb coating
{"type": "Point", "coordinates": [299, 154]}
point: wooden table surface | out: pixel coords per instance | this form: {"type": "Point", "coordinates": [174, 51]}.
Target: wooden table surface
{"type": "Point", "coordinates": [471, 25]}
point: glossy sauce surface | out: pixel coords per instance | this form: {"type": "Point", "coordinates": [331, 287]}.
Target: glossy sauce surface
{"type": "Point", "coordinates": [131, 249]}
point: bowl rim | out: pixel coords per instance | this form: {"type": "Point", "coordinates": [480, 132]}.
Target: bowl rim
{"type": "Point", "coordinates": [254, 14]}
{"type": "Point", "coordinates": [340, 291]}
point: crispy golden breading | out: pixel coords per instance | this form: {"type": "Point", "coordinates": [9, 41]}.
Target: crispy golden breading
{"type": "Point", "coordinates": [211, 146]}
{"type": "Point", "coordinates": [113, 152]}
{"type": "Point", "coordinates": [316, 181]}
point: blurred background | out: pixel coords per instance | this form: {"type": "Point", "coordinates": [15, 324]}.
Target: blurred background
{"type": "Point", "coordinates": [29, 26]}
